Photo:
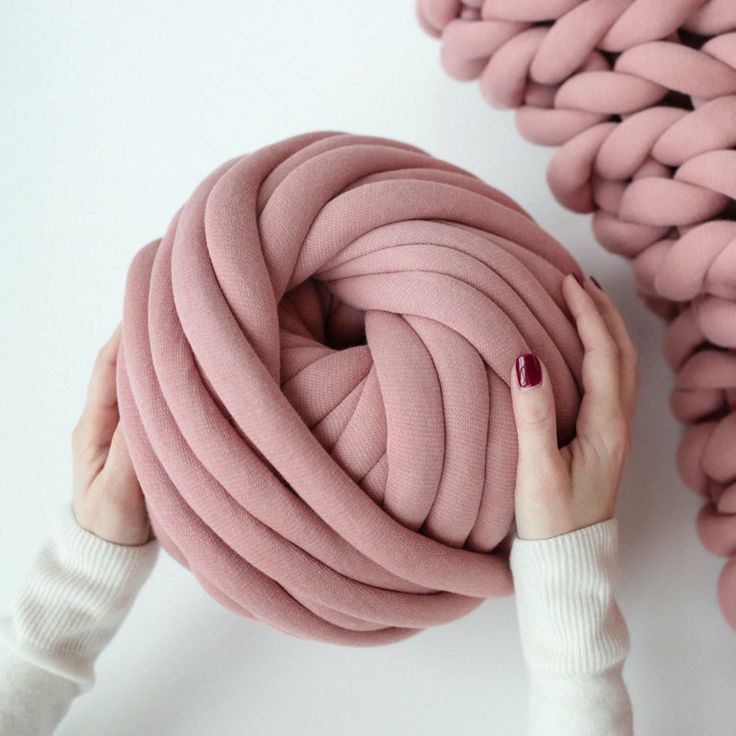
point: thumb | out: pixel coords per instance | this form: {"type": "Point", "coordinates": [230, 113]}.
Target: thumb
{"type": "Point", "coordinates": [118, 471]}
{"type": "Point", "coordinates": [534, 410]}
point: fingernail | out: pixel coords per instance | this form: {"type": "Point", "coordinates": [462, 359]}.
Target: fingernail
{"type": "Point", "coordinates": [595, 281]}
{"type": "Point", "coordinates": [528, 370]}
{"type": "Point", "coordinates": [577, 278]}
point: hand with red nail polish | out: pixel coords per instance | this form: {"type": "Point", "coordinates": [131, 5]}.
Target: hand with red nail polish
{"type": "Point", "coordinates": [559, 490]}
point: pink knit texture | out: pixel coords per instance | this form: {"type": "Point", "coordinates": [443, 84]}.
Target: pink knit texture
{"type": "Point", "coordinates": [640, 96]}
{"type": "Point", "coordinates": [313, 383]}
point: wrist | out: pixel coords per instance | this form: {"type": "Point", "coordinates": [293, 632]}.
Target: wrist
{"type": "Point", "coordinates": [551, 529]}
{"type": "Point", "coordinates": [127, 526]}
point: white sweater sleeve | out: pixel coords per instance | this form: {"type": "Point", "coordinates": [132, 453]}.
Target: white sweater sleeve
{"type": "Point", "coordinates": [573, 634]}
{"type": "Point", "coordinates": [77, 594]}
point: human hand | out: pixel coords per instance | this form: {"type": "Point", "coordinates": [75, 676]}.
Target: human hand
{"type": "Point", "coordinates": [561, 490]}
{"type": "Point", "coordinates": [107, 498]}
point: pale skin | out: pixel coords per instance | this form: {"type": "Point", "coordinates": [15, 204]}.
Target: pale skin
{"type": "Point", "coordinates": [558, 490]}
{"type": "Point", "coordinates": [107, 499]}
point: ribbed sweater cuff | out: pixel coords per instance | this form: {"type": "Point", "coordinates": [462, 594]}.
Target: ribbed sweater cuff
{"type": "Point", "coordinates": [76, 596]}
{"type": "Point", "coordinates": [569, 621]}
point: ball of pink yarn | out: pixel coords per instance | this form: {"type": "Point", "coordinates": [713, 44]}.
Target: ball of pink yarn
{"type": "Point", "coordinates": [640, 97]}
{"type": "Point", "coordinates": [313, 383]}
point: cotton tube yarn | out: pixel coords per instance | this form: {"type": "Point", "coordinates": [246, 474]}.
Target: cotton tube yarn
{"type": "Point", "coordinates": [313, 383]}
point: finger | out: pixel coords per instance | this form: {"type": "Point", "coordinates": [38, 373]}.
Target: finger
{"type": "Point", "coordinates": [534, 410]}
{"type": "Point", "coordinates": [119, 470]}
{"type": "Point", "coordinates": [100, 415]}
{"type": "Point", "coordinates": [628, 372]}
{"type": "Point", "coordinates": [601, 391]}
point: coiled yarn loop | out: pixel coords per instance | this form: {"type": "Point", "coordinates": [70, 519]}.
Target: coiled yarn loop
{"type": "Point", "coordinates": [313, 383]}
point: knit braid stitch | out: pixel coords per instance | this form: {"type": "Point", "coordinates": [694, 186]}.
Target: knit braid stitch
{"type": "Point", "coordinates": [640, 97]}
{"type": "Point", "coordinates": [313, 383]}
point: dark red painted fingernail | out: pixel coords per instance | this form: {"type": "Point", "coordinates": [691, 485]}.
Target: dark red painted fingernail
{"type": "Point", "coordinates": [528, 370]}
{"type": "Point", "coordinates": [595, 281]}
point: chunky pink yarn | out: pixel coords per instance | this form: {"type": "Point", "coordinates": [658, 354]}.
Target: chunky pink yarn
{"type": "Point", "coordinates": [640, 96]}
{"type": "Point", "coordinates": [313, 383]}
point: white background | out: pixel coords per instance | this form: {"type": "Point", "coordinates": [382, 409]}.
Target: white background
{"type": "Point", "coordinates": [111, 113]}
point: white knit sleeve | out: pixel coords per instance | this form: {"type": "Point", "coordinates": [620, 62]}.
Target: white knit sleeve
{"type": "Point", "coordinates": [573, 634]}
{"type": "Point", "coordinates": [76, 596]}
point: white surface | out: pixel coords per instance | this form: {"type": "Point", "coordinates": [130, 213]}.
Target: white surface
{"type": "Point", "coordinates": [112, 112]}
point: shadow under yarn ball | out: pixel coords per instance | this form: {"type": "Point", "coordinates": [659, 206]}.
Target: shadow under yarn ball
{"type": "Point", "coordinates": [313, 383]}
